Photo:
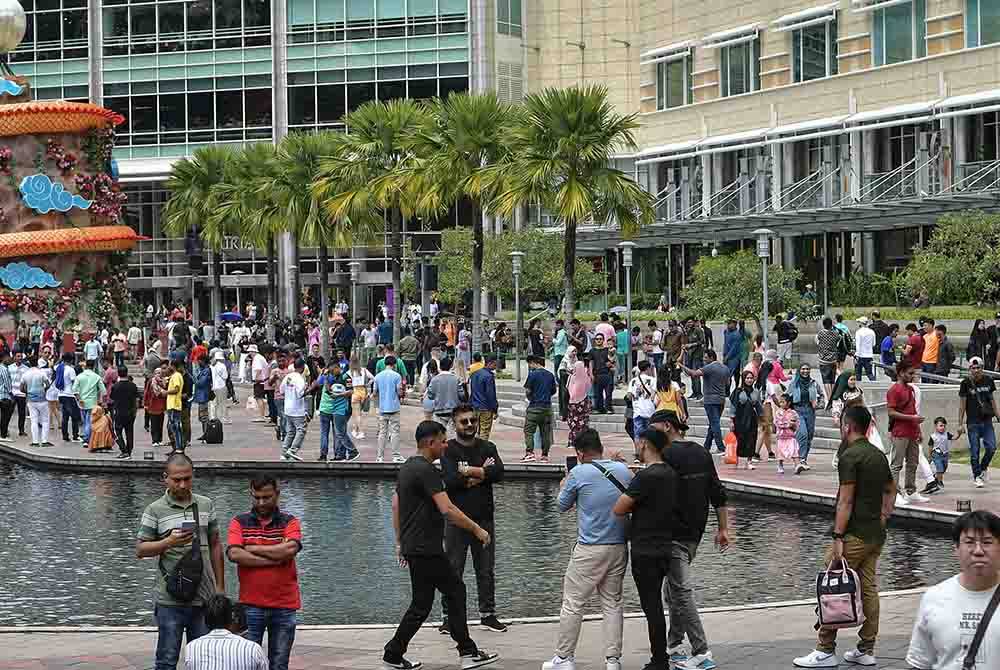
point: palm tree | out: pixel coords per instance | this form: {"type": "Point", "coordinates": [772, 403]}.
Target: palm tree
{"type": "Point", "coordinates": [562, 157]}
{"type": "Point", "coordinates": [298, 166]}
{"type": "Point", "coordinates": [367, 176]}
{"type": "Point", "coordinates": [192, 203]}
{"type": "Point", "coordinates": [463, 134]}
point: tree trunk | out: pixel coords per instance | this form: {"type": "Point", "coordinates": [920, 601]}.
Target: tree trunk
{"type": "Point", "coordinates": [569, 266]}
{"type": "Point", "coordinates": [295, 308]}
{"type": "Point", "coordinates": [396, 250]}
{"type": "Point", "coordinates": [216, 301]}
{"type": "Point", "coordinates": [477, 278]}
{"type": "Point", "coordinates": [272, 288]}
{"type": "Point", "coordinates": [324, 301]}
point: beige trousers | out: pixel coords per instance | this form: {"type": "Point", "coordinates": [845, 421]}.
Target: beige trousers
{"type": "Point", "coordinates": [600, 568]}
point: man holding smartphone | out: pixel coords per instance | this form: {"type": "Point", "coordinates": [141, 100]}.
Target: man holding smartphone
{"type": "Point", "coordinates": [471, 467]}
{"type": "Point", "coordinates": [166, 532]}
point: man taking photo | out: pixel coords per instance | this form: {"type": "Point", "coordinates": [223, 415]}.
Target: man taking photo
{"type": "Point", "coordinates": [471, 467]}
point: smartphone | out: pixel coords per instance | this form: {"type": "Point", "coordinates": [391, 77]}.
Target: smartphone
{"type": "Point", "coordinates": [188, 525]}
{"type": "Point", "coordinates": [570, 463]}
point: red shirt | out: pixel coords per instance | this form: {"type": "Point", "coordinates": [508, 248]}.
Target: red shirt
{"type": "Point", "coordinates": [916, 342]}
{"type": "Point", "coordinates": [197, 352]}
{"type": "Point", "coordinates": [901, 398]}
{"type": "Point", "coordinates": [274, 586]}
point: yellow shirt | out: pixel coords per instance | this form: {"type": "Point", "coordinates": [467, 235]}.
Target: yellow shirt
{"type": "Point", "coordinates": [931, 346]}
{"type": "Point", "coordinates": [476, 367]}
{"type": "Point", "coordinates": [175, 387]}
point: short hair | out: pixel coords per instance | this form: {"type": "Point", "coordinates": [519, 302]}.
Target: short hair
{"type": "Point", "coordinates": [827, 322]}
{"type": "Point", "coordinates": [929, 320]}
{"type": "Point", "coordinates": [122, 372]}
{"type": "Point", "coordinates": [877, 314]}
{"type": "Point", "coordinates": [588, 442]}
{"type": "Point", "coordinates": [838, 317]}
{"type": "Point", "coordinates": [903, 366]}
{"type": "Point", "coordinates": [604, 316]}
{"type": "Point", "coordinates": [427, 429]}
{"type": "Point", "coordinates": [89, 363]}
{"type": "Point", "coordinates": [390, 361]}
{"type": "Point", "coordinates": [445, 364]}
{"type": "Point", "coordinates": [942, 328]}
{"type": "Point", "coordinates": [262, 480]}
{"type": "Point", "coordinates": [203, 359]}
{"type": "Point", "coordinates": [981, 520]}
{"type": "Point", "coordinates": [711, 355]}
{"type": "Point", "coordinates": [911, 326]}
{"type": "Point", "coordinates": [300, 364]}
{"type": "Point", "coordinates": [477, 357]}
{"type": "Point", "coordinates": [655, 438]}
{"type": "Point", "coordinates": [643, 366]}
{"type": "Point", "coordinates": [221, 612]}
{"type": "Point", "coordinates": [859, 417]}
{"type": "Point", "coordinates": [179, 459]}
{"type": "Point", "coordinates": [941, 419]}
{"type": "Point", "coordinates": [463, 408]}
{"type": "Point", "coordinates": [68, 357]}
{"type": "Point", "coordinates": [893, 327]}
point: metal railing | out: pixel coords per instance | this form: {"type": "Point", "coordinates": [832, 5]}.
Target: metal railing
{"type": "Point", "coordinates": [977, 177]}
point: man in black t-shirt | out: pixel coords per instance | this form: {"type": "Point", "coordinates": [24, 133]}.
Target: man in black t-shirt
{"type": "Point", "coordinates": [471, 467]}
{"type": "Point", "coordinates": [977, 408]}
{"type": "Point", "coordinates": [125, 399]}
{"type": "Point", "coordinates": [419, 508]}
{"type": "Point", "coordinates": [698, 486]}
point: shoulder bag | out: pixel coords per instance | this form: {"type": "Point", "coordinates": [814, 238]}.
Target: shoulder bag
{"type": "Point", "coordinates": [183, 581]}
{"type": "Point", "coordinates": [977, 640]}
{"type": "Point", "coordinates": [618, 485]}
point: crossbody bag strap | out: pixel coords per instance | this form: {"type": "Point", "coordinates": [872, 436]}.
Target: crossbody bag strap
{"type": "Point", "coordinates": [977, 640]}
{"type": "Point", "coordinates": [195, 543]}
{"type": "Point", "coordinates": [609, 476]}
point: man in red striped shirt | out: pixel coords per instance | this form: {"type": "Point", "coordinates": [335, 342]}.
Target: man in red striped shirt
{"type": "Point", "coordinates": [263, 543]}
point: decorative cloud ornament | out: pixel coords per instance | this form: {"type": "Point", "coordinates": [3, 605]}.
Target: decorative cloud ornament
{"type": "Point", "coordinates": [40, 193]}
{"type": "Point", "coordinates": [7, 86]}
{"type": "Point", "coordinates": [21, 275]}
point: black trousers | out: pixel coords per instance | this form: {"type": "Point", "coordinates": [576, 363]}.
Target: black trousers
{"type": "Point", "coordinates": [22, 412]}
{"type": "Point", "coordinates": [125, 432]}
{"type": "Point", "coordinates": [411, 370]}
{"type": "Point", "coordinates": [155, 427]}
{"type": "Point", "coordinates": [457, 544]}
{"type": "Point", "coordinates": [563, 395]}
{"type": "Point", "coordinates": [649, 573]}
{"type": "Point", "coordinates": [6, 411]}
{"type": "Point", "coordinates": [70, 415]}
{"type": "Point", "coordinates": [427, 575]}
{"type": "Point", "coordinates": [604, 387]}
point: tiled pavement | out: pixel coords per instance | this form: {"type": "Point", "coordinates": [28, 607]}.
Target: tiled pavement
{"type": "Point", "coordinates": [744, 639]}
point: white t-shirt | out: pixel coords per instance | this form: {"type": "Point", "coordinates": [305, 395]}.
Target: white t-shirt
{"type": "Point", "coordinates": [643, 392]}
{"type": "Point", "coordinates": [293, 386]}
{"type": "Point", "coordinates": [864, 343]}
{"type": "Point", "coordinates": [370, 336]}
{"type": "Point", "coordinates": [946, 623]}
{"type": "Point", "coordinates": [259, 369]}
{"type": "Point", "coordinates": [134, 335]}
{"type": "Point", "coordinates": [219, 375]}
{"type": "Point", "coordinates": [657, 339]}
{"type": "Point", "coordinates": [69, 376]}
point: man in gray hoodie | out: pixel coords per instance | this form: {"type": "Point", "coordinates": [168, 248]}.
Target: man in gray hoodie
{"type": "Point", "coordinates": [443, 390]}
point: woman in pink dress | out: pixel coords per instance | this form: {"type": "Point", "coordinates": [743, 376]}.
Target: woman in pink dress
{"type": "Point", "coordinates": [786, 420]}
{"type": "Point", "coordinates": [578, 387]}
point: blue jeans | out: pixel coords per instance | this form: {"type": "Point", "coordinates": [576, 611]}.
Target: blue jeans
{"type": "Point", "coordinates": [70, 414]}
{"type": "Point", "coordinates": [807, 429]}
{"type": "Point", "coordinates": [639, 424]}
{"type": "Point", "coordinates": [621, 374]}
{"type": "Point", "coordinates": [714, 413]}
{"type": "Point", "coordinates": [981, 433]}
{"type": "Point", "coordinates": [85, 424]}
{"type": "Point", "coordinates": [175, 428]}
{"type": "Point", "coordinates": [172, 622]}
{"type": "Point", "coordinates": [657, 361]}
{"type": "Point", "coordinates": [864, 365]}
{"type": "Point", "coordinates": [280, 627]}
{"type": "Point", "coordinates": [325, 426]}
{"type": "Point", "coordinates": [343, 447]}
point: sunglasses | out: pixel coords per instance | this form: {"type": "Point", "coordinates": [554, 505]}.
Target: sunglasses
{"type": "Point", "coordinates": [466, 422]}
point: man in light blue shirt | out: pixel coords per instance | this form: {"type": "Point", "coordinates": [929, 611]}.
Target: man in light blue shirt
{"type": "Point", "coordinates": [388, 391]}
{"type": "Point", "coordinates": [600, 555]}
{"type": "Point", "coordinates": [560, 342]}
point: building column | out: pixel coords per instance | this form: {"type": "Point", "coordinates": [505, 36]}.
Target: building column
{"type": "Point", "coordinates": [960, 148]}
{"type": "Point", "coordinates": [777, 176]}
{"type": "Point", "coordinates": [946, 167]}
{"type": "Point", "coordinates": [285, 244]}
{"type": "Point", "coordinates": [868, 252]}
{"type": "Point", "coordinates": [481, 79]}
{"type": "Point", "coordinates": [788, 259]}
{"type": "Point", "coordinates": [706, 185]}
{"type": "Point", "coordinates": [95, 42]}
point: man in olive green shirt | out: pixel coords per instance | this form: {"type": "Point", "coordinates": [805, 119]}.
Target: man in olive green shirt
{"type": "Point", "coordinates": [88, 387]}
{"type": "Point", "coordinates": [865, 500]}
{"type": "Point", "coordinates": [400, 365]}
{"type": "Point", "coordinates": [163, 534]}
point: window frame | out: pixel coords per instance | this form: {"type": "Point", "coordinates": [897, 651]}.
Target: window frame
{"type": "Point", "coordinates": [974, 25]}
{"type": "Point", "coordinates": [506, 25]}
{"type": "Point", "coordinates": [830, 51]}
{"type": "Point", "coordinates": [918, 32]}
{"type": "Point", "coordinates": [725, 86]}
{"type": "Point", "coordinates": [685, 60]}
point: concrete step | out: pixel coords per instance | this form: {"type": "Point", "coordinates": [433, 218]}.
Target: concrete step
{"type": "Point", "coordinates": [602, 423]}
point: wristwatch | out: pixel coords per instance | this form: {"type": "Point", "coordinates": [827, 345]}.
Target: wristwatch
{"type": "Point", "coordinates": [838, 536]}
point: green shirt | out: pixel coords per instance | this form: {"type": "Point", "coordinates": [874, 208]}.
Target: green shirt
{"type": "Point", "coordinates": [89, 386]}
{"type": "Point", "coordinates": [164, 515]}
{"type": "Point", "coordinates": [400, 367]}
{"type": "Point", "coordinates": [867, 468]}
{"type": "Point", "coordinates": [623, 342]}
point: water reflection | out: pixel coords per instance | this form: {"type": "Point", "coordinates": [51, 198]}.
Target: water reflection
{"type": "Point", "coordinates": [69, 539]}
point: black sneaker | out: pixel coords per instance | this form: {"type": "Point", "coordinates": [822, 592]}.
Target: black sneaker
{"type": "Point", "coordinates": [323, 458]}
{"type": "Point", "coordinates": [402, 664]}
{"type": "Point", "coordinates": [491, 622]}
{"type": "Point", "coordinates": [931, 489]}
{"type": "Point", "coordinates": [478, 659]}
{"type": "Point", "coordinates": [443, 628]}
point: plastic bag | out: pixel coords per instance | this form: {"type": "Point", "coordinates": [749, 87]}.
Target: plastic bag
{"type": "Point", "coordinates": [730, 442]}
{"type": "Point", "coordinates": [251, 404]}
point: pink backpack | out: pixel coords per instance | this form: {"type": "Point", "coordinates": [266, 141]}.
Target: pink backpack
{"type": "Point", "coordinates": [838, 593]}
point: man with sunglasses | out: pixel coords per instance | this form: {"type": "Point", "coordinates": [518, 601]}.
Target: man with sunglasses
{"type": "Point", "coordinates": [471, 466]}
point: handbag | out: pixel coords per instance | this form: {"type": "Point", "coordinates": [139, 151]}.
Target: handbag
{"type": "Point", "coordinates": [977, 640]}
{"type": "Point", "coordinates": [183, 581]}
{"type": "Point", "coordinates": [839, 598]}
{"type": "Point", "coordinates": [731, 442]}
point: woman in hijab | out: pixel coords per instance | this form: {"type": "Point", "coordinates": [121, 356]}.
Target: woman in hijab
{"type": "Point", "coordinates": [745, 409]}
{"type": "Point", "coordinates": [152, 360]}
{"type": "Point", "coordinates": [101, 436]}
{"type": "Point", "coordinates": [562, 374]}
{"type": "Point", "coordinates": [978, 341]}
{"type": "Point", "coordinates": [845, 390]}
{"type": "Point", "coordinates": [578, 387]}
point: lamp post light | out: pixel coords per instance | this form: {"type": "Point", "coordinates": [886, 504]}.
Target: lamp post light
{"type": "Point", "coordinates": [239, 276]}
{"type": "Point", "coordinates": [764, 236]}
{"type": "Point", "coordinates": [355, 268]}
{"type": "Point", "coordinates": [516, 257]}
{"type": "Point", "coordinates": [626, 248]}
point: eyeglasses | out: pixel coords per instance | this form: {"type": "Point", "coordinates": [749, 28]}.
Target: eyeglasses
{"type": "Point", "coordinates": [466, 422]}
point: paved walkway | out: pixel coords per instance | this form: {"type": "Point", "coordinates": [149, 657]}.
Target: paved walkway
{"type": "Point", "coordinates": [743, 639]}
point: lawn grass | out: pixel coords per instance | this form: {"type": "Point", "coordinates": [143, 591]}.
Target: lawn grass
{"type": "Point", "coordinates": [963, 456]}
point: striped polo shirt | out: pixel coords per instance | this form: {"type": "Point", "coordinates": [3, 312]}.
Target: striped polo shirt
{"type": "Point", "coordinates": [164, 515]}
{"type": "Point", "coordinates": [272, 586]}
{"type": "Point", "coordinates": [222, 650]}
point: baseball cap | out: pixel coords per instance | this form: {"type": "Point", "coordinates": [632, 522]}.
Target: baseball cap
{"type": "Point", "coordinates": [668, 416]}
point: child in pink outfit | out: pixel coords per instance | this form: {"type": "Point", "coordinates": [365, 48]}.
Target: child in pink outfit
{"type": "Point", "coordinates": [786, 421]}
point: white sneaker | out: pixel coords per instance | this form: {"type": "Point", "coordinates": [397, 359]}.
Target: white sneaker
{"type": "Point", "coordinates": [750, 466]}
{"type": "Point", "coordinates": [858, 657]}
{"type": "Point", "coordinates": [480, 658]}
{"type": "Point", "coordinates": [781, 469]}
{"type": "Point", "coordinates": [398, 459]}
{"type": "Point", "coordinates": [699, 662]}
{"type": "Point", "coordinates": [980, 483]}
{"type": "Point", "coordinates": [805, 466]}
{"type": "Point", "coordinates": [612, 664]}
{"type": "Point", "coordinates": [817, 659]}
{"type": "Point", "coordinates": [560, 663]}
{"type": "Point", "coordinates": [379, 460]}
{"type": "Point", "coordinates": [914, 498]}
{"type": "Point", "coordinates": [902, 500]}
{"type": "Point", "coordinates": [361, 436]}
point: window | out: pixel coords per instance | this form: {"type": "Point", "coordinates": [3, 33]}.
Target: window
{"type": "Point", "coordinates": [814, 52]}
{"type": "Point", "coordinates": [739, 70]}
{"type": "Point", "coordinates": [899, 32]}
{"type": "Point", "coordinates": [509, 17]}
{"type": "Point", "coordinates": [982, 22]}
{"type": "Point", "coordinates": [673, 82]}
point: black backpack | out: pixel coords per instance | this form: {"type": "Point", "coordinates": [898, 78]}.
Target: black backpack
{"type": "Point", "coordinates": [792, 332]}
{"type": "Point", "coordinates": [183, 581]}
{"type": "Point", "coordinates": [213, 432]}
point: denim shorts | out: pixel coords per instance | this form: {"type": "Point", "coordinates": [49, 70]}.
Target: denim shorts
{"type": "Point", "coordinates": [940, 462]}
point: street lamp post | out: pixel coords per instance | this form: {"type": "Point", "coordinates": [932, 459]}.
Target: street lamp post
{"type": "Point", "coordinates": [626, 248]}
{"type": "Point", "coordinates": [355, 267]}
{"type": "Point", "coordinates": [764, 236]}
{"type": "Point", "coordinates": [239, 276]}
{"type": "Point", "coordinates": [516, 257]}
